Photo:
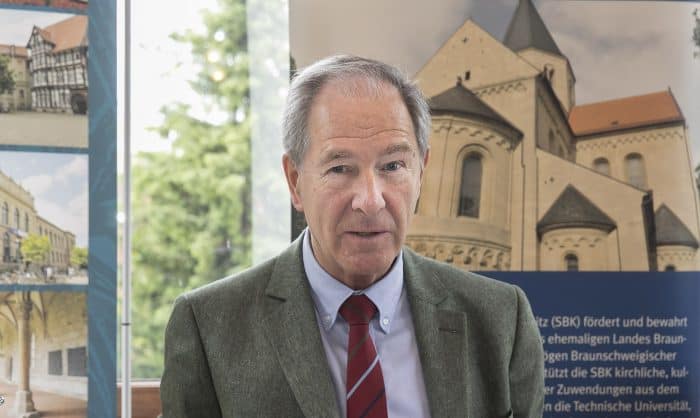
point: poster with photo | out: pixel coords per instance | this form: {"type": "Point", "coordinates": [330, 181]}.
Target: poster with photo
{"type": "Point", "coordinates": [43, 218]}
{"type": "Point", "coordinates": [43, 78]}
{"type": "Point", "coordinates": [577, 137]}
{"type": "Point", "coordinates": [58, 206]}
{"type": "Point", "coordinates": [43, 357]}
{"type": "Point", "coordinates": [564, 153]}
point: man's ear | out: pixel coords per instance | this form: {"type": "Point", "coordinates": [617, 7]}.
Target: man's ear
{"type": "Point", "coordinates": [291, 172]}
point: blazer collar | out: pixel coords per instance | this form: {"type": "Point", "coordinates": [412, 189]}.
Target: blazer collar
{"type": "Point", "coordinates": [441, 335]}
{"type": "Point", "coordinates": [291, 327]}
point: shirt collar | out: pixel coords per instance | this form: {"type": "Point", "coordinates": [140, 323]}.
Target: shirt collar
{"type": "Point", "coordinates": [329, 294]}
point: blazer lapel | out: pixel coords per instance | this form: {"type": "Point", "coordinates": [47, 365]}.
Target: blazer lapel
{"type": "Point", "coordinates": [291, 326]}
{"type": "Point", "coordinates": [441, 335]}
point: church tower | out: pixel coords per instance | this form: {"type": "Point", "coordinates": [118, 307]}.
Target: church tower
{"type": "Point", "coordinates": [528, 36]}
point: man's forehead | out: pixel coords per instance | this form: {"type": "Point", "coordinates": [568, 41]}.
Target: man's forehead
{"type": "Point", "coordinates": [359, 109]}
{"type": "Point", "coordinates": [357, 86]}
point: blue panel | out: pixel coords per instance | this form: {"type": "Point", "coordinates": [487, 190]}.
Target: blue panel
{"type": "Point", "coordinates": [102, 290]}
{"type": "Point", "coordinates": [594, 306]}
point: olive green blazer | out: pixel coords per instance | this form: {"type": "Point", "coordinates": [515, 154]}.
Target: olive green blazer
{"type": "Point", "coordinates": [249, 345]}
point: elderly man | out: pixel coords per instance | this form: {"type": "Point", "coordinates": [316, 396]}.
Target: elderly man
{"type": "Point", "coordinates": [346, 322]}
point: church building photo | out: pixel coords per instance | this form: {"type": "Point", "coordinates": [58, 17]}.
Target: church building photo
{"type": "Point", "coordinates": [524, 178]}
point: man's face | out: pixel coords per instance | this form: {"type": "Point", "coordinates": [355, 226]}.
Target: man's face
{"type": "Point", "coordinates": [359, 180]}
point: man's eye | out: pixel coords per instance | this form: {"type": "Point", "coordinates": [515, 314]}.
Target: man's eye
{"type": "Point", "coordinates": [339, 169]}
{"type": "Point", "coordinates": [393, 166]}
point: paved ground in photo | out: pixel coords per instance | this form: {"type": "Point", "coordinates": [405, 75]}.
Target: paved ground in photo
{"type": "Point", "coordinates": [44, 129]}
{"type": "Point", "coordinates": [49, 404]}
{"type": "Point", "coordinates": [20, 278]}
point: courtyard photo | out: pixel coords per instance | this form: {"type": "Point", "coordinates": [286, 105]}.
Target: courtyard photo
{"type": "Point", "coordinates": [43, 354]}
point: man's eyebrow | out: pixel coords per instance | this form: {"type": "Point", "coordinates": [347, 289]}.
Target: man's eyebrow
{"type": "Point", "coordinates": [397, 148]}
{"type": "Point", "coordinates": [333, 155]}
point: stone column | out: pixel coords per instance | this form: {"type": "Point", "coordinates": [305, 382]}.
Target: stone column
{"type": "Point", "coordinates": [24, 403]}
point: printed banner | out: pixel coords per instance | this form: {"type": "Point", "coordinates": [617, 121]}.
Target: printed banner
{"type": "Point", "coordinates": [57, 208]}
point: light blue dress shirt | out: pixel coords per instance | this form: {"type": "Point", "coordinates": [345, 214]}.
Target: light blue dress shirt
{"type": "Point", "coordinates": [391, 330]}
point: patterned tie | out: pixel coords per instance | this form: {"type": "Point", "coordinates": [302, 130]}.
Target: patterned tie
{"type": "Point", "coordinates": [365, 383]}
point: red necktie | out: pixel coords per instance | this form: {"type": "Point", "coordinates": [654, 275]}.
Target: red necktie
{"type": "Point", "coordinates": [364, 384]}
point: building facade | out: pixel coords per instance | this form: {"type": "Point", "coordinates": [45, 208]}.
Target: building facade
{"type": "Point", "coordinates": [18, 220]}
{"type": "Point", "coordinates": [523, 178]}
{"type": "Point", "coordinates": [20, 98]}
{"type": "Point", "coordinates": [58, 66]}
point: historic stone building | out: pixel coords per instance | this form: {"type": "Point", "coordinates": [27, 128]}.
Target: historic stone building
{"type": "Point", "coordinates": [20, 98]}
{"type": "Point", "coordinates": [58, 66]}
{"type": "Point", "coordinates": [43, 348]}
{"type": "Point", "coordinates": [19, 219]}
{"type": "Point", "coordinates": [523, 178]}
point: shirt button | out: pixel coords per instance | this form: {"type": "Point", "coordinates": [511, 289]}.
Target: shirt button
{"type": "Point", "coordinates": [385, 321]}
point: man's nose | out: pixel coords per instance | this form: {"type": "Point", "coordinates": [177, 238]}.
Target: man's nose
{"type": "Point", "coordinates": [368, 194]}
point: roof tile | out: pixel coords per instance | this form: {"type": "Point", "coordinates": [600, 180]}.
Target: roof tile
{"type": "Point", "coordinates": [19, 51]}
{"type": "Point", "coordinates": [670, 230]}
{"type": "Point", "coordinates": [68, 33]}
{"type": "Point", "coordinates": [625, 113]}
{"type": "Point", "coordinates": [573, 210]}
{"type": "Point", "coordinates": [527, 30]}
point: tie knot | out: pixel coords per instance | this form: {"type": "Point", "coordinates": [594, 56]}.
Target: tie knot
{"type": "Point", "coordinates": [358, 310]}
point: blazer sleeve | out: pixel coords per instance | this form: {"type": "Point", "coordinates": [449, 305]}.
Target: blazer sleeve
{"type": "Point", "coordinates": [526, 364]}
{"type": "Point", "coordinates": [186, 388]}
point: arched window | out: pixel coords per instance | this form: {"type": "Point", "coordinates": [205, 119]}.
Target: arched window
{"type": "Point", "coordinates": [26, 222]}
{"type": "Point", "coordinates": [571, 261]}
{"type": "Point", "coordinates": [670, 267]}
{"type": "Point", "coordinates": [17, 218]}
{"type": "Point", "coordinates": [470, 190]}
{"type": "Point", "coordinates": [635, 171]}
{"type": "Point", "coordinates": [602, 165]}
{"type": "Point", "coordinates": [6, 247]}
{"type": "Point", "coordinates": [5, 214]}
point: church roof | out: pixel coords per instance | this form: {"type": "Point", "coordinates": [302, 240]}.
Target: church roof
{"type": "Point", "coordinates": [527, 30]}
{"type": "Point", "coordinates": [670, 230]}
{"type": "Point", "coordinates": [573, 210]}
{"type": "Point", "coordinates": [67, 34]}
{"type": "Point", "coordinates": [625, 113]}
{"type": "Point", "coordinates": [460, 100]}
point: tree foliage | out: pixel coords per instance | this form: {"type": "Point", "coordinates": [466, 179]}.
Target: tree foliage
{"type": "Point", "coordinates": [79, 257]}
{"type": "Point", "coordinates": [7, 81]}
{"type": "Point", "coordinates": [35, 248]}
{"type": "Point", "coordinates": [191, 206]}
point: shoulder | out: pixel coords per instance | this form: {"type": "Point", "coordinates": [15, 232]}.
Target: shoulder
{"type": "Point", "coordinates": [242, 295]}
{"type": "Point", "coordinates": [465, 290]}
{"type": "Point", "coordinates": [244, 284]}
{"type": "Point", "coordinates": [238, 296]}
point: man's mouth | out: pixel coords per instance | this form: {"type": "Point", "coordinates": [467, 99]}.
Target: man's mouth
{"type": "Point", "coordinates": [366, 234]}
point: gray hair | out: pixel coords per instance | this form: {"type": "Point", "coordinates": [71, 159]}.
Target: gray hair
{"type": "Point", "coordinates": [309, 81]}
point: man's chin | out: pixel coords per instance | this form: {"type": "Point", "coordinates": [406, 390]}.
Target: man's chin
{"type": "Point", "coordinates": [369, 269]}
